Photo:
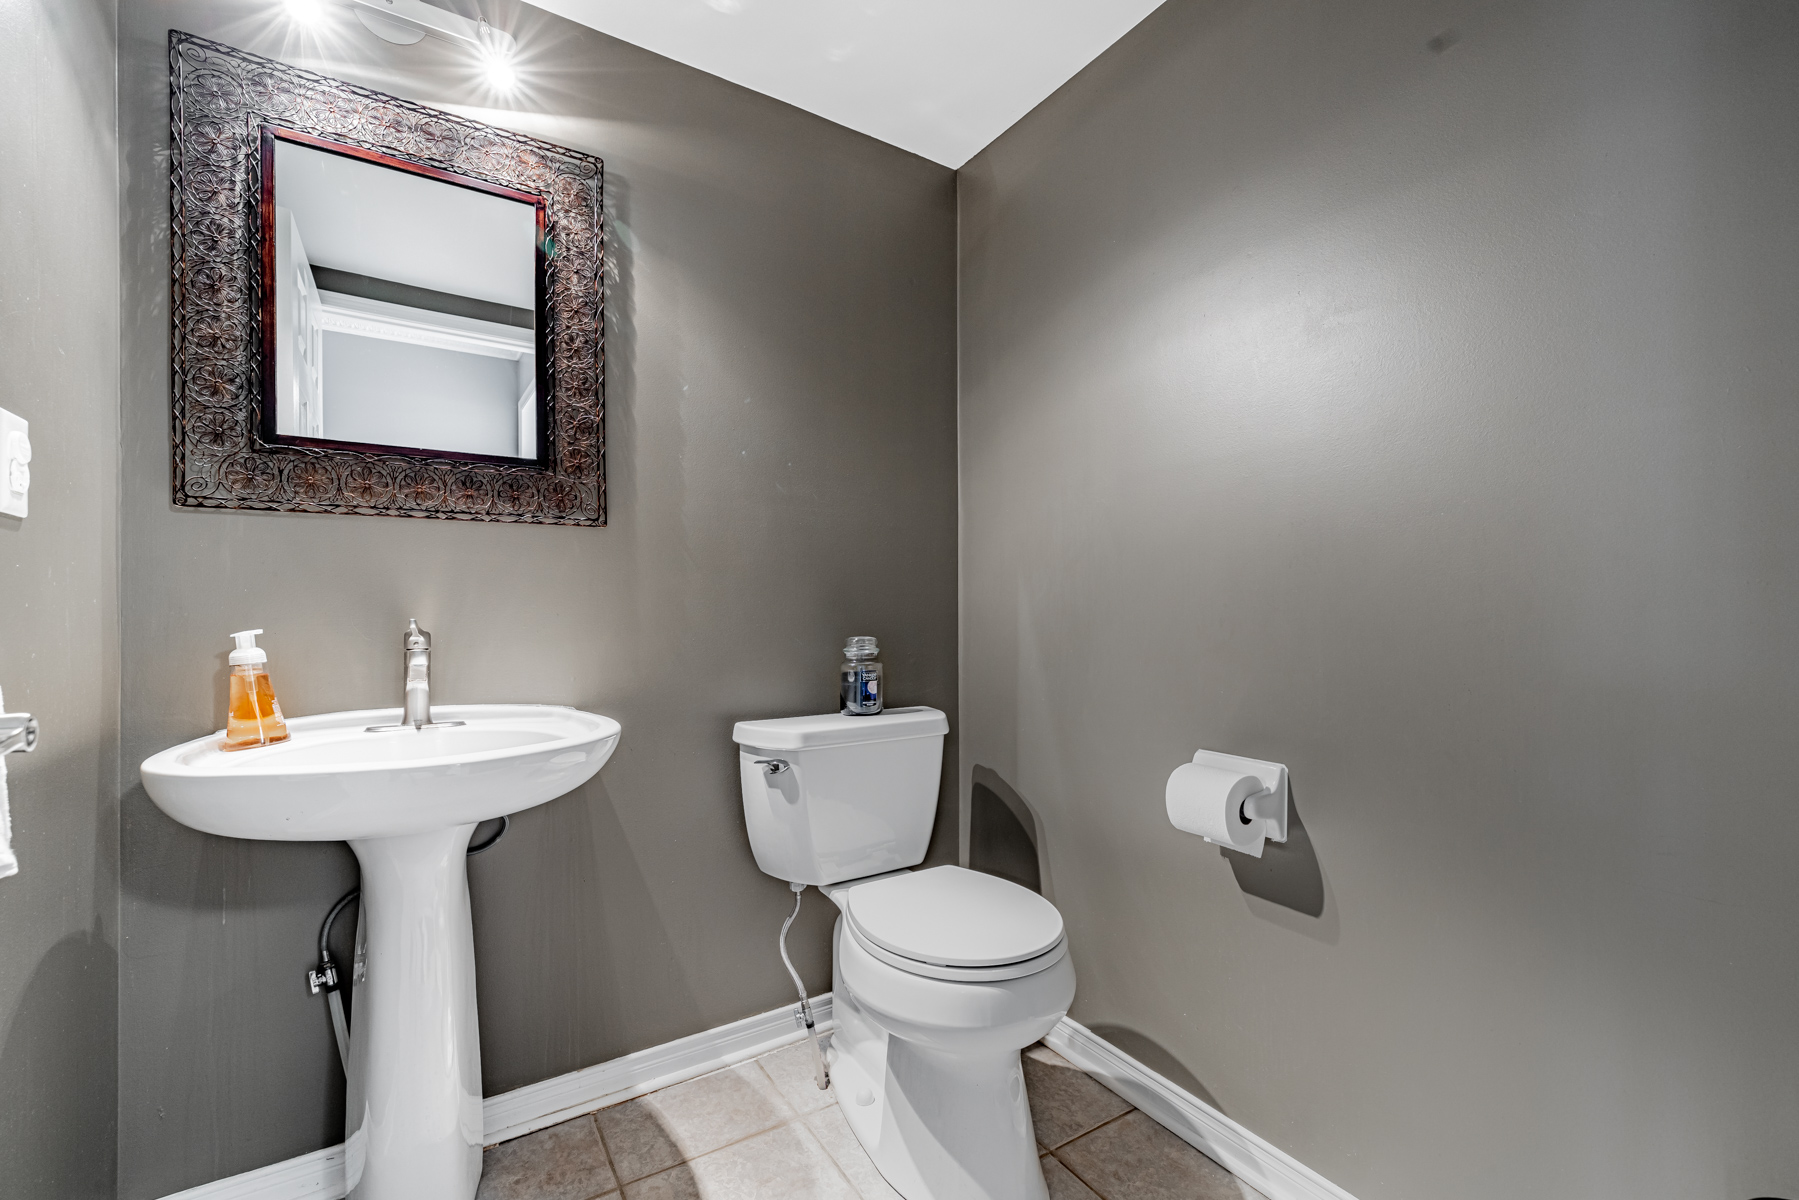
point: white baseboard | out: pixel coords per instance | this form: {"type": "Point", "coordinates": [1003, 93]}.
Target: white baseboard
{"type": "Point", "coordinates": [320, 1175]}
{"type": "Point", "coordinates": [1261, 1164]}
{"type": "Point", "coordinates": [315, 1176]}
{"type": "Point", "coordinates": [1265, 1167]}
{"type": "Point", "coordinates": [541, 1105]}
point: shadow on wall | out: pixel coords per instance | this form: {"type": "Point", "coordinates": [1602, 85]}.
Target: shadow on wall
{"type": "Point", "coordinates": [1157, 1058]}
{"type": "Point", "coordinates": [558, 901]}
{"type": "Point", "coordinates": [56, 1063]}
{"type": "Point", "coordinates": [1286, 885]}
{"type": "Point", "coordinates": [1005, 838]}
{"type": "Point", "coordinates": [211, 902]}
{"type": "Point", "coordinates": [1287, 876]}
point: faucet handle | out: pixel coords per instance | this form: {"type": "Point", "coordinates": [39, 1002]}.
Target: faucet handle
{"type": "Point", "coordinates": [416, 638]}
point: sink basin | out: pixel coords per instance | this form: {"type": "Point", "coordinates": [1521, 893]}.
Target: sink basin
{"type": "Point", "coordinates": [331, 781]}
{"type": "Point", "coordinates": [406, 800]}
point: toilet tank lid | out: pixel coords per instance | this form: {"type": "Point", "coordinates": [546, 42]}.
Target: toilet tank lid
{"type": "Point", "coordinates": [835, 729]}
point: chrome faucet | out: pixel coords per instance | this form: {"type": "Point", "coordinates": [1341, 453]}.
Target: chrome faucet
{"type": "Point", "coordinates": [418, 677]}
{"type": "Point", "coordinates": [416, 712]}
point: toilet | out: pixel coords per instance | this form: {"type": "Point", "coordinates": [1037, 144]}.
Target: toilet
{"type": "Point", "coordinates": [939, 977]}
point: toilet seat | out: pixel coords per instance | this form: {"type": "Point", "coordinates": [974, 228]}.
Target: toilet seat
{"type": "Point", "coordinates": [913, 966]}
{"type": "Point", "coordinates": [956, 924]}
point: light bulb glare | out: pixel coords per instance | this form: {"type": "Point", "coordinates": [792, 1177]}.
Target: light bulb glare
{"type": "Point", "coordinates": [308, 13]}
{"type": "Point", "coordinates": [499, 71]}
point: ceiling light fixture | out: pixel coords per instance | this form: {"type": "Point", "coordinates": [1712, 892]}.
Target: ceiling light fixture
{"type": "Point", "coordinates": [497, 48]}
{"type": "Point", "coordinates": [407, 21]}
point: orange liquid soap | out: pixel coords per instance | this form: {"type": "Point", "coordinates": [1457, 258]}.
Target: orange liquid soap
{"type": "Point", "coordinates": [254, 715]}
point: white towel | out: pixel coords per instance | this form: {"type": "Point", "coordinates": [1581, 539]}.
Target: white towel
{"type": "Point", "coordinates": [9, 864]}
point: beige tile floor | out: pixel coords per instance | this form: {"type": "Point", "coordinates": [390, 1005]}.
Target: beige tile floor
{"type": "Point", "coordinates": [762, 1131]}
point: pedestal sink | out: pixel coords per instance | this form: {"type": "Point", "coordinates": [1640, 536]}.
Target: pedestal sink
{"type": "Point", "coordinates": [406, 800]}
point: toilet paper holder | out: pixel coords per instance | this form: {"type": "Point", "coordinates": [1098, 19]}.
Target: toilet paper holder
{"type": "Point", "coordinates": [1268, 805]}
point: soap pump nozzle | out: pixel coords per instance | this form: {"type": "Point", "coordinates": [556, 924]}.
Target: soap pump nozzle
{"type": "Point", "coordinates": [247, 650]}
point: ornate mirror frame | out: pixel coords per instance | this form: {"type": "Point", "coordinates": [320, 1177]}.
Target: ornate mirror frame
{"type": "Point", "coordinates": [222, 100]}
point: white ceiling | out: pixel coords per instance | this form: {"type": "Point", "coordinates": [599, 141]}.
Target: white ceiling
{"type": "Point", "coordinates": [940, 78]}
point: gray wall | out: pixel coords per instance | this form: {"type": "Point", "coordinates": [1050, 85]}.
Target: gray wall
{"type": "Point", "coordinates": [1423, 418]}
{"type": "Point", "coordinates": [59, 336]}
{"type": "Point", "coordinates": [781, 458]}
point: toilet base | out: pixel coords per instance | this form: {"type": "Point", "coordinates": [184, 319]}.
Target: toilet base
{"type": "Point", "coordinates": [938, 1125]}
{"type": "Point", "coordinates": [979, 1148]}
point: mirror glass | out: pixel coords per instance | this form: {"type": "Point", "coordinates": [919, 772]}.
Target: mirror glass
{"type": "Point", "coordinates": [405, 306]}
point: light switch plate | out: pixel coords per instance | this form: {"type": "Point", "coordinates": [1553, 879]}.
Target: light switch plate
{"type": "Point", "coordinates": [15, 463]}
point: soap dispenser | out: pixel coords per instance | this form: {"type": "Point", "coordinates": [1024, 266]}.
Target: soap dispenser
{"type": "Point", "coordinates": [254, 715]}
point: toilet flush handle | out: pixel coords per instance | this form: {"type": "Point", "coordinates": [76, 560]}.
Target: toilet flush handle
{"type": "Point", "coordinates": [774, 765]}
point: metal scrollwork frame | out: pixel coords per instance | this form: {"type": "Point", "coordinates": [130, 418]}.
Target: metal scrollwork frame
{"type": "Point", "coordinates": [220, 98]}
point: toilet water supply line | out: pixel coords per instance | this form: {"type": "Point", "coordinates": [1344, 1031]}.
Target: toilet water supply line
{"type": "Point", "coordinates": [324, 977]}
{"type": "Point", "coordinates": [820, 1072]}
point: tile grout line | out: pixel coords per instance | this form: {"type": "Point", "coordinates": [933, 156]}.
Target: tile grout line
{"type": "Point", "coordinates": [659, 1170]}
{"type": "Point", "coordinates": [848, 1183]}
{"type": "Point", "coordinates": [618, 1184]}
{"type": "Point", "coordinates": [800, 1120]}
{"type": "Point", "coordinates": [1079, 1178]}
{"type": "Point", "coordinates": [796, 1117]}
{"type": "Point", "coordinates": [748, 1137]}
{"type": "Point", "coordinates": [1093, 1129]}
{"type": "Point", "coordinates": [782, 1124]}
{"type": "Point", "coordinates": [1066, 1166]}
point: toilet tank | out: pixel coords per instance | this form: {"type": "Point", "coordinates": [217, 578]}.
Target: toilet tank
{"type": "Point", "coordinates": [857, 797]}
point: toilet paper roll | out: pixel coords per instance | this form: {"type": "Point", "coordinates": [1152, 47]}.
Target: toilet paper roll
{"type": "Point", "coordinates": [1209, 801]}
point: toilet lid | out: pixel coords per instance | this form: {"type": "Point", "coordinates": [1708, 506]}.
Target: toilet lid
{"type": "Point", "coordinates": [954, 917]}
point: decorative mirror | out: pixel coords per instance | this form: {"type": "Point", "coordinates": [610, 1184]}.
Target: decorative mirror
{"type": "Point", "coordinates": [378, 307]}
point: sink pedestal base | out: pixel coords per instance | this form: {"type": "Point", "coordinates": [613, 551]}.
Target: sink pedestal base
{"type": "Point", "coordinates": [413, 1123]}
{"type": "Point", "coordinates": [406, 800]}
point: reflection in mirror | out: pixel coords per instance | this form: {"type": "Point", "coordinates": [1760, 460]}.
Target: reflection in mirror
{"type": "Point", "coordinates": [405, 305]}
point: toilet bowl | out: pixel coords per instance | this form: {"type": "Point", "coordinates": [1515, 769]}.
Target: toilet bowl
{"type": "Point", "coordinates": [925, 1059]}
{"type": "Point", "coordinates": [940, 977]}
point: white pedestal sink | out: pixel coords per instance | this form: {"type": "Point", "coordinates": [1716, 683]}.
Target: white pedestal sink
{"type": "Point", "coordinates": [406, 800]}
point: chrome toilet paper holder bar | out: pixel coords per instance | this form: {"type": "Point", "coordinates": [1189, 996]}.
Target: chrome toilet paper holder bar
{"type": "Point", "coordinates": [1270, 804]}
